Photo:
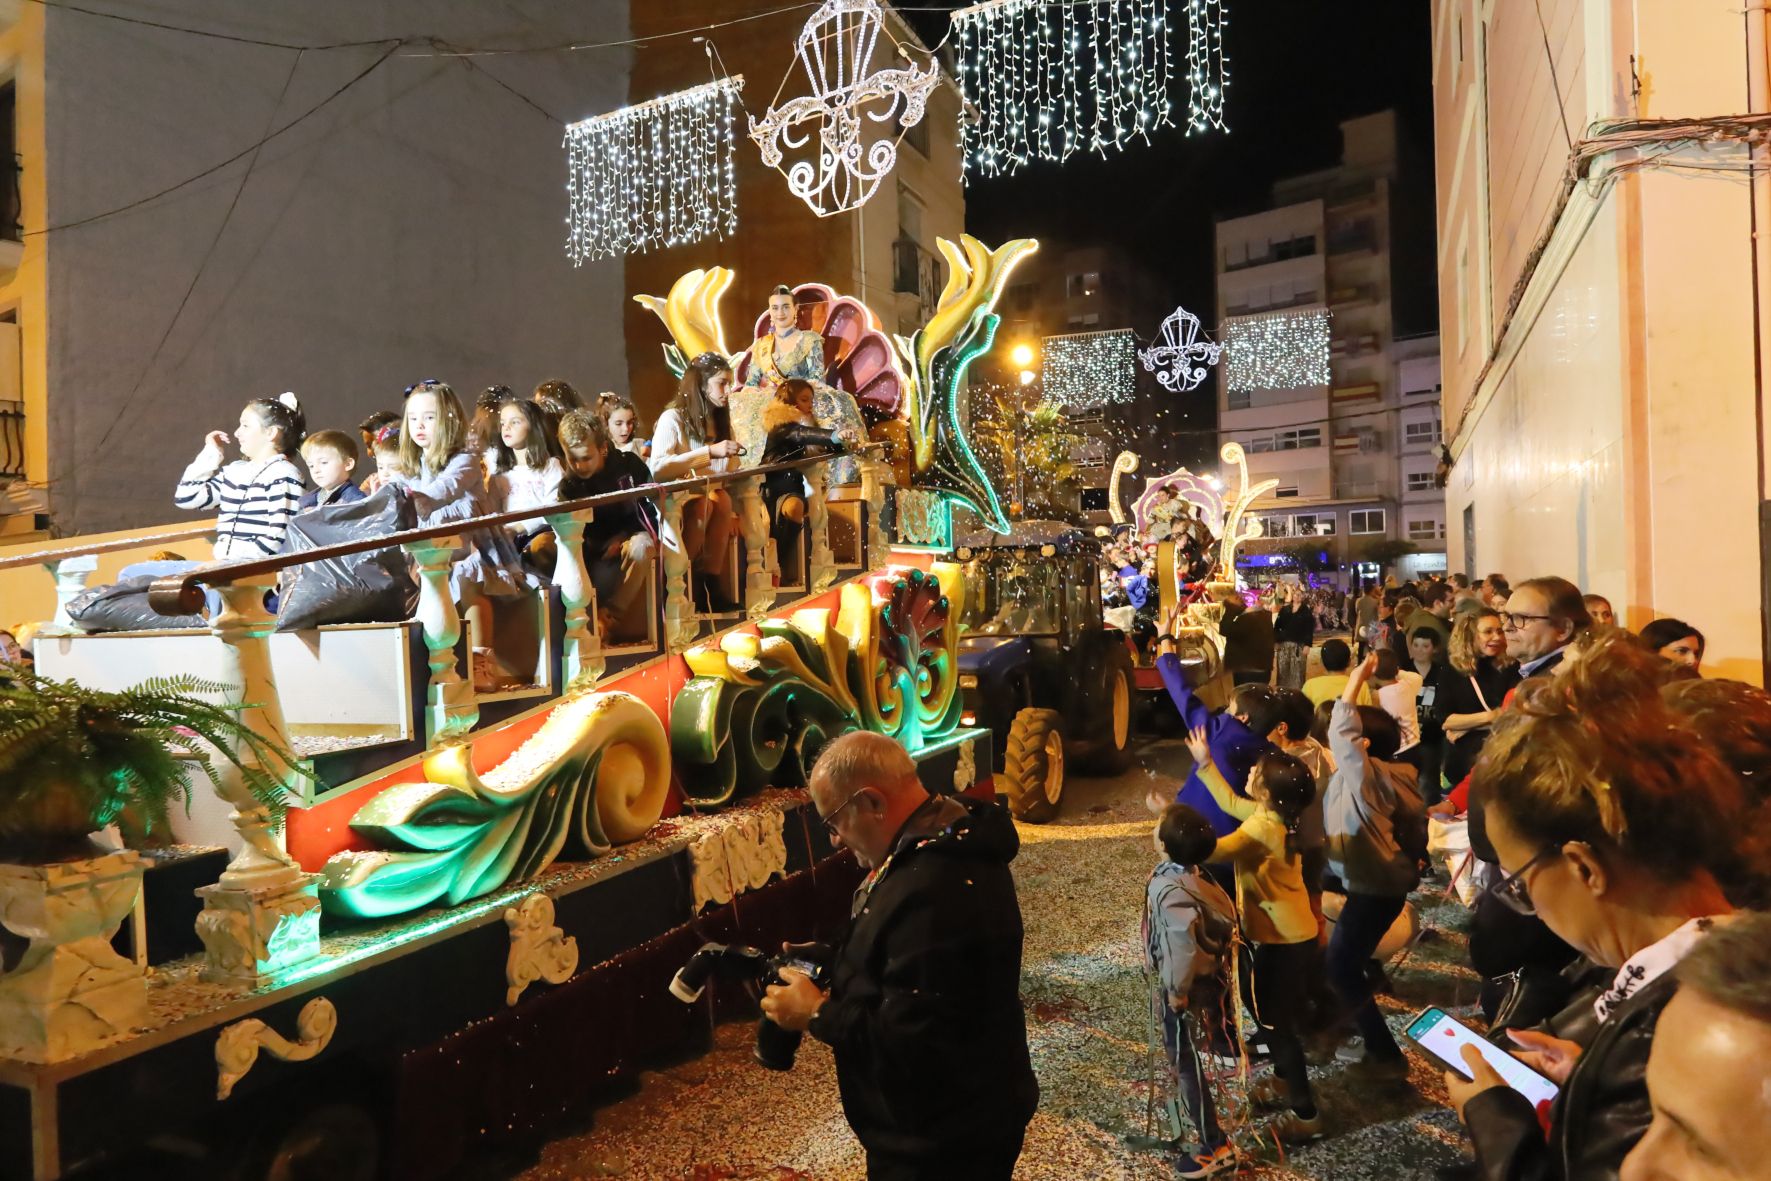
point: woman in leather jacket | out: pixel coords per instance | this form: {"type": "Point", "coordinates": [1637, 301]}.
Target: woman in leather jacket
{"type": "Point", "coordinates": [793, 434]}
{"type": "Point", "coordinates": [1606, 815]}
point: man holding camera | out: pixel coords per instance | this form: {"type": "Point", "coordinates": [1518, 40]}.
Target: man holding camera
{"type": "Point", "coordinates": [924, 1007]}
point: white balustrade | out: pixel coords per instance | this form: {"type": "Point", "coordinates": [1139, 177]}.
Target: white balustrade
{"type": "Point", "coordinates": [823, 563]}
{"type": "Point", "coordinates": [761, 563]}
{"type": "Point", "coordinates": [680, 630]}
{"type": "Point", "coordinates": [70, 576]}
{"type": "Point", "coordinates": [450, 705]}
{"type": "Point", "coordinates": [583, 657]}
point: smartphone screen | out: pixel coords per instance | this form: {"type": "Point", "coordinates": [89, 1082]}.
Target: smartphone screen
{"type": "Point", "coordinates": [1440, 1035]}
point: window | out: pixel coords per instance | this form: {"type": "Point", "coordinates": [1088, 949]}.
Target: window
{"type": "Point", "coordinates": [1425, 389]}
{"type": "Point", "coordinates": [1313, 524]}
{"type": "Point", "coordinates": [1420, 481]}
{"type": "Point", "coordinates": [1420, 433]}
{"type": "Point", "coordinates": [1083, 285]}
{"type": "Point", "coordinates": [909, 214]}
{"type": "Point", "coordinates": [916, 135]}
{"type": "Point", "coordinates": [1298, 440]}
{"type": "Point", "coordinates": [1286, 490]}
{"type": "Point", "coordinates": [1091, 320]}
{"type": "Point", "coordinates": [1366, 520]}
{"type": "Point", "coordinates": [1237, 399]}
{"type": "Point", "coordinates": [1428, 530]}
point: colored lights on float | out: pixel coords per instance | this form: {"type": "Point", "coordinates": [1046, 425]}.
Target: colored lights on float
{"type": "Point", "coordinates": [1088, 369]}
{"type": "Point", "coordinates": [1048, 80]}
{"type": "Point", "coordinates": [656, 174]}
{"type": "Point", "coordinates": [1277, 350]}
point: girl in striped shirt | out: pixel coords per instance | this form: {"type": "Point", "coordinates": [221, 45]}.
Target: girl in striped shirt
{"type": "Point", "coordinates": [255, 496]}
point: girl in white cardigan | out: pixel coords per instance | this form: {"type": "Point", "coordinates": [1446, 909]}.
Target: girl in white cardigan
{"type": "Point", "coordinates": [694, 437]}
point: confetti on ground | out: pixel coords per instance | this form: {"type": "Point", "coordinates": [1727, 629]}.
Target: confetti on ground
{"type": "Point", "coordinates": [1081, 881]}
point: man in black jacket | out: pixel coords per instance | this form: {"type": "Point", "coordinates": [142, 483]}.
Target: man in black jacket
{"type": "Point", "coordinates": [924, 1008]}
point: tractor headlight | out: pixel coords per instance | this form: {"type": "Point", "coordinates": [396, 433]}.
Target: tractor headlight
{"type": "Point", "coordinates": [968, 681]}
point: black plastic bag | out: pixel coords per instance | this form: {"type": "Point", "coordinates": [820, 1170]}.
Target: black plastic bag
{"type": "Point", "coordinates": [123, 607]}
{"type": "Point", "coordinates": [372, 587]}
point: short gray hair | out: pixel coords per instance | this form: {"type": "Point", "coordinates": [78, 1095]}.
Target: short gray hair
{"type": "Point", "coordinates": [860, 759]}
{"type": "Point", "coordinates": [1731, 965]}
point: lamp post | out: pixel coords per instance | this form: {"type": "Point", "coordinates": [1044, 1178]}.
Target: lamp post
{"type": "Point", "coordinates": [1029, 396]}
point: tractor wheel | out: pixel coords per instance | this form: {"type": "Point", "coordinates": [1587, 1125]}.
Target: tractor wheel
{"type": "Point", "coordinates": [1033, 765]}
{"type": "Point", "coordinates": [1111, 710]}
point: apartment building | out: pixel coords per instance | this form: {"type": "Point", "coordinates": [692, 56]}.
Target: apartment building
{"type": "Point", "coordinates": [1334, 399]}
{"type": "Point", "coordinates": [1604, 390]}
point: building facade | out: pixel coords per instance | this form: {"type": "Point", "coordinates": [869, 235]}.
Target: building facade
{"type": "Point", "coordinates": [1354, 456]}
{"type": "Point", "coordinates": [883, 253]}
{"type": "Point", "coordinates": [1604, 337]}
{"type": "Point", "coordinates": [338, 245]}
{"type": "Point", "coordinates": [1065, 290]}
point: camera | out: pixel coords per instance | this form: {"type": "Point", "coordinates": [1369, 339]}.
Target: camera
{"type": "Point", "coordinates": [775, 1047]}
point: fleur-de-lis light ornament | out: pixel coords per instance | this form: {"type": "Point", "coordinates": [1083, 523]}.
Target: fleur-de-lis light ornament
{"type": "Point", "coordinates": [836, 48]}
{"type": "Point", "coordinates": [1181, 357]}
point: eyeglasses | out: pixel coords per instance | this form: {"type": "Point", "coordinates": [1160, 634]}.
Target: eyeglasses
{"type": "Point", "coordinates": [829, 821]}
{"type": "Point", "coordinates": [1513, 621]}
{"type": "Point", "coordinates": [1511, 890]}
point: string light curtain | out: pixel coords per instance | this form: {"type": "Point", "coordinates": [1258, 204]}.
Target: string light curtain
{"type": "Point", "coordinates": [1277, 350]}
{"type": "Point", "coordinates": [1046, 80]}
{"type": "Point", "coordinates": [1208, 73]}
{"type": "Point", "coordinates": [656, 174]}
{"type": "Point", "coordinates": [1087, 369]}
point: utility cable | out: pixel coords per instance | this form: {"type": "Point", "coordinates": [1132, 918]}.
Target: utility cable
{"type": "Point", "coordinates": [249, 149]}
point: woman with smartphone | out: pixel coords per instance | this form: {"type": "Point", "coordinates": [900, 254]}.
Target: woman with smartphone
{"type": "Point", "coordinates": [1608, 816]}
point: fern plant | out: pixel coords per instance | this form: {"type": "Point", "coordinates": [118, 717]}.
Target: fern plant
{"type": "Point", "coordinates": [74, 758]}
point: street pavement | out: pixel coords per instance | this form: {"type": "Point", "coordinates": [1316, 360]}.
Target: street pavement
{"type": "Point", "coordinates": [722, 1118]}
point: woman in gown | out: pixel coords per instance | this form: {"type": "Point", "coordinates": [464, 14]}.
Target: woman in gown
{"type": "Point", "coordinates": [787, 351]}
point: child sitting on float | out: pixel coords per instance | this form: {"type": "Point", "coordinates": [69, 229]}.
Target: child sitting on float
{"type": "Point", "coordinates": [621, 539]}
{"type": "Point", "coordinates": [793, 433]}
{"type": "Point", "coordinates": [446, 485]}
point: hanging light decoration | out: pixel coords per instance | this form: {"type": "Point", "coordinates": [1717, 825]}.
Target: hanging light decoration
{"type": "Point", "coordinates": [1208, 72]}
{"type": "Point", "coordinates": [656, 174]}
{"type": "Point", "coordinates": [1088, 369]}
{"type": "Point", "coordinates": [1180, 358]}
{"type": "Point", "coordinates": [1277, 350]}
{"type": "Point", "coordinates": [1047, 80]}
{"type": "Point", "coordinates": [836, 49]}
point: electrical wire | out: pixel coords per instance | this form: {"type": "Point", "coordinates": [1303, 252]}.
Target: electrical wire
{"type": "Point", "coordinates": [213, 34]}
{"type": "Point", "coordinates": [248, 150]}
{"type": "Point", "coordinates": [197, 275]}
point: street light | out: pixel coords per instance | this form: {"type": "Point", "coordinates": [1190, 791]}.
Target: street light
{"type": "Point", "coordinates": [1022, 356]}
{"type": "Point", "coordinates": [1027, 375]}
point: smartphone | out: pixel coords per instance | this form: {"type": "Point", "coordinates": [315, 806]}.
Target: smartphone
{"type": "Point", "coordinates": [1444, 1037]}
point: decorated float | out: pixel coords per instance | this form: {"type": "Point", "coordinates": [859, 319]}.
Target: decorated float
{"type": "Point", "coordinates": [406, 914]}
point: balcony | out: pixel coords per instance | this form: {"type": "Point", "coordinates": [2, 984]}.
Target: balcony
{"type": "Point", "coordinates": [1303, 299]}
{"type": "Point", "coordinates": [1347, 297]}
{"type": "Point", "coordinates": [1355, 239]}
{"type": "Point", "coordinates": [12, 440]}
{"type": "Point", "coordinates": [914, 272]}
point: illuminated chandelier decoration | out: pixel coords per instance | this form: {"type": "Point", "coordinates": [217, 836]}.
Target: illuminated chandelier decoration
{"type": "Point", "coordinates": [1181, 358]}
{"type": "Point", "coordinates": [1088, 369]}
{"type": "Point", "coordinates": [1277, 350]}
{"type": "Point", "coordinates": [1049, 80]}
{"type": "Point", "coordinates": [836, 49]}
{"type": "Point", "coordinates": [656, 174]}
{"type": "Point", "coordinates": [1207, 69]}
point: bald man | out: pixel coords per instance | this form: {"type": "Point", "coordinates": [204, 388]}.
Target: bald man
{"type": "Point", "coordinates": [1709, 1074]}
{"type": "Point", "coordinates": [924, 1008]}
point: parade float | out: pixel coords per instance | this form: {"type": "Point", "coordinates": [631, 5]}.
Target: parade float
{"type": "Point", "coordinates": [457, 914]}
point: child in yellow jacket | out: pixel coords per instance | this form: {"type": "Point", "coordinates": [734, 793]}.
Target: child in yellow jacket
{"type": "Point", "coordinates": [1276, 918]}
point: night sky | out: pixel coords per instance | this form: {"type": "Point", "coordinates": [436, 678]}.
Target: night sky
{"type": "Point", "coordinates": [1297, 67]}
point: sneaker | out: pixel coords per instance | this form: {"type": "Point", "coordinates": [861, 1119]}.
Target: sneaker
{"type": "Point", "coordinates": [1206, 1164]}
{"type": "Point", "coordinates": [1295, 1129]}
{"type": "Point", "coordinates": [1269, 1092]}
{"type": "Point", "coordinates": [1373, 1068]}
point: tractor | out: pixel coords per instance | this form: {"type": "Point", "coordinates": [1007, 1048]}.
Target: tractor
{"type": "Point", "coordinates": [1037, 666]}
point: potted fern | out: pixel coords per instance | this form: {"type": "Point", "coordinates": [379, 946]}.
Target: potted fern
{"type": "Point", "coordinates": [74, 759]}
